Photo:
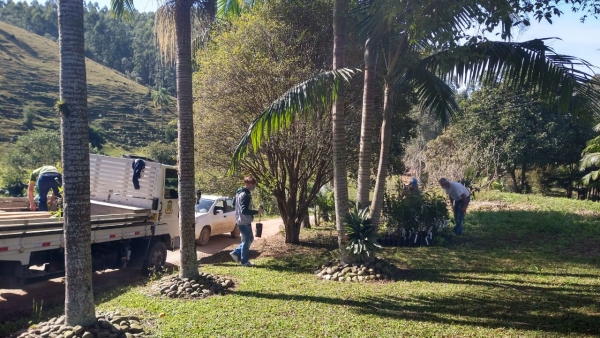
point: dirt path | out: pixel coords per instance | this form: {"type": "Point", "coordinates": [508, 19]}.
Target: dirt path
{"type": "Point", "coordinates": [16, 302]}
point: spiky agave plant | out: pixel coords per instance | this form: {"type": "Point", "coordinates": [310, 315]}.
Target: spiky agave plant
{"type": "Point", "coordinates": [362, 235]}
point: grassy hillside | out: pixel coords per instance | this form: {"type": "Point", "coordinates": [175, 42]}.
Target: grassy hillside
{"type": "Point", "coordinates": [29, 69]}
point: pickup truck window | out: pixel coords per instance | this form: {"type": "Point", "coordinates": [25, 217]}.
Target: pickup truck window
{"type": "Point", "coordinates": [204, 205]}
{"type": "Point", "coordinates": [171, 184]}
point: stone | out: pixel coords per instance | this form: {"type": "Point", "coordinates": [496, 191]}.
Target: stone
{"type": "Point", "coordinates": [341, 279]}
{"type": "Point", "coordinates": [45, 334]}
{"type": "Point", "coordinates": [361, 278]}
{"type": "Point", "coordinates": [60, 320]}
{"type": "Point", "coordinates": [334, 277]}
{"type": "Point", "coordinates": [354, 268]}
{"type": "Point", "coordinates": [371, 270]}
{"type": "Point", "coordinates": [320, 274]}
{"type": "Point", "coordinates": [378, 276]}
{"type": "Point", "coordinates": [187, 285]}
{"type": "Point", "coordinates": [136, 328]}
{"type": "Point", "coordinates": [104, 324]}
{"type": "Point", "coordinates": [68, 334]}
{"type": "Point", "coordinates": [189, 290]}
{"type": "Point", "coordinates": [194, 294]}
{"type": "Point", "coordinates": [327, 277]}
{"type": "Point", "coordinates": [362, 273]}
{"type": "Point", "coordinates": [45, 329]}
{"type": "Point", "coordinates": [172, 294]}
{"type": "Point", "coordinates": [173, 287]}
{"type": "Point", "coordinates": [53, 335]}
{"type": "Point", "coordinates": [345, 270]}
{"type": "Point", "coordinates": [335, 269]}
{"type": "Point", "coordinates": [166, 289]}
{"type": "Point", "coordinates": [88, 335]}
{"type": "Point", "coordinates": [348, 279]}
{"type": "Point", "coordinates": [355, 279]}
{"type": "Point", "coordinates": [78, 329]}
{"type": "Point", "coordinates": [206, 292]}
{"type": "Point", "coordinates": [328, 270]}
{"type": "Point", "coordinates": [60, 336]}
{"type": "Point", "coordinates": [195, 286]}
{"type": "Point", "coordinates": [124, 328]}
{"type": "Point", "coordinates": [229, 282]}
{"type": "Point", "coordinates": [123, 323]}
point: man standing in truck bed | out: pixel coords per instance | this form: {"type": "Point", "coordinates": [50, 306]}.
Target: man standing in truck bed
{"type": "Point", "coordinates": [45, 178]}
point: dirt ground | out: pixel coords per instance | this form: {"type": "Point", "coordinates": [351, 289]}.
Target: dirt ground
{"type": "Point", "coordinates": [18, 302]}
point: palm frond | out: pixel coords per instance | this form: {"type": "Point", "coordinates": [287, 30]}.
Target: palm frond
{"type": "Point", "coordinates": [432, 92]}
{"type": "Point", "coordinates": [529, 64]}
{"type": "Point", "coordinates": [122, 8]}
{"type": "Point", "coordinates": [283, 111]}
{"type": "Point", "coordinates": [589, 161]}
{"type": "Point", "coordinates": [232, 8]}
{"type": "Point", "coordinates": [590, 177]}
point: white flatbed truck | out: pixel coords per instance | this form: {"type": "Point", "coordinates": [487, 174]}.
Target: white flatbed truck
{"type": "Point", "coordinates": [129, 227]}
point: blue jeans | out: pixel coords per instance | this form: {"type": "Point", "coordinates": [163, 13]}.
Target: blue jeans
{"type": "Point", "coordinates": [243, 250]}
{"type": "Point", "coordinates": [44, 183]}
{"type": "Point", "coordinates": [459, 216]}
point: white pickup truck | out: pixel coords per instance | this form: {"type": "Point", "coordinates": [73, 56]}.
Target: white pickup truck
{"type": "Point", "coordinates": [129, 227]}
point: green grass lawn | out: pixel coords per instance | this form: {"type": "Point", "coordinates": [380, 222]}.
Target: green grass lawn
{"type": "Point", "coordinates": [526, 266]}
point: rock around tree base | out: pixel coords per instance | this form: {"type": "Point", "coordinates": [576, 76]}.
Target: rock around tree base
{"type": "Point", "coordinates": [108, 325]}
{"type": "Point", "coordinates": [203, 286]}
{"type": "Point", "coordinates": [377, 269]}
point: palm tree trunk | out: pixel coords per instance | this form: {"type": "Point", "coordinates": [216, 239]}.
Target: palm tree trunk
{"type": "Point", "coordinates": [185, 143]}
{"type": "Point", "coordinates": [386, 134]}
{"type": "Point", "coordinates": [340, 179]}
{"type": "Point", "coordinates": [79, 293]}
{"type": "Point", "coordinates": [366, 128]}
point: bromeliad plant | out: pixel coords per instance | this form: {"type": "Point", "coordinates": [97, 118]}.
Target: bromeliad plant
{"type": "Point", "coordinates": [362, 235]}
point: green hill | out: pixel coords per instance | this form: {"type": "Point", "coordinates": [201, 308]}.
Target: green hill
{"type": "Point", "coordinates": [29, 67]}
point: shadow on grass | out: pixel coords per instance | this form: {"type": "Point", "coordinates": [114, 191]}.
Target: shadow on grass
{"type": "Point", "coordinates": [525, 312]}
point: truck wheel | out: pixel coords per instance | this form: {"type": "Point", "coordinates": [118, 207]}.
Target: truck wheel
{"type": "Point", "coordinates": [157, 256]}
{"type": "Point", "coordinates": [236, 232]}
{"type": "Point", "coordinates": [204, 236]}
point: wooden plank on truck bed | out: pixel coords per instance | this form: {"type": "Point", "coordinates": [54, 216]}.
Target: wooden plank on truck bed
{"type": "Point", "coordinates": [25, 215]}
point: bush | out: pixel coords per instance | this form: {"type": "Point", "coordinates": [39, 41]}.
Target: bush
{"type": "Point", "coordinates": [409, 213]}
{"type": "Point", "coordinates": [163, 153]}
{"type": "Point", "coordinates": [362, 235]}
{"type": "Point", "coordinates": [29, 115]}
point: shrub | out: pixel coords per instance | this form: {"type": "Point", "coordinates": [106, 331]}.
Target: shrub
{"type": "Point", "coordinates": [362, 235]}
{"type": "Point", "coordinates": [410, 212]}
{"type": "Point", "coordinates": [29, 114]}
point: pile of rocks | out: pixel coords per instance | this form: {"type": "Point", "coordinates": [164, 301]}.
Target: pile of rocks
{"type": "Point", "coordinates": [108, 325]}
{"type": "Point", "coordinates": [378, 269]}
{"type": "Point", "coordinates": [203, 286]}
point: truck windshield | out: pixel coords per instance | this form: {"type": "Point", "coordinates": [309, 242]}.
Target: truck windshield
{"type": "Point", "coordinates": [204, 205]}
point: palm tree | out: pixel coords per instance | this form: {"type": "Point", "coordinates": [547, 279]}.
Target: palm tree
{"type": "Point", "coordinates": [161, 98]}
{"type": "Point", "coordinates": [79, 295]}
{"type": "Point", "coordinates": [366, 126]}
{"type": "Point", "coordinates": [174, 34]}
{"type": "Point", "coordinates": [340, 174]}
{"type": "Point", "coordinates": [591, 160]}
{"type": "Point", "coordinates": [417, 27]}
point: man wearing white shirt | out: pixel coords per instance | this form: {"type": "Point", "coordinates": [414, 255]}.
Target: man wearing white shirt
{"type": "Point", "coordinates": [459, 198]}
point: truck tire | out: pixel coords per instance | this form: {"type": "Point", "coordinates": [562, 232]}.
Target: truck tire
{"type": "Point", "coordinates": [204, 236]}
{"type": "Point", "coordinates": [236, 232]}
{"type": "Point", "coordinates": [157, 256]}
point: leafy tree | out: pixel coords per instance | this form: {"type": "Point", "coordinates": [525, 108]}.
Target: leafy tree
{"type": "Point", "coordinates": [276, 45]}
{"type": "Point", "coordinates": [500, 130]}
{"type": "Point", "coordinates": [34, 149]}
{"type": "Point", "coordinates": [165, 153]}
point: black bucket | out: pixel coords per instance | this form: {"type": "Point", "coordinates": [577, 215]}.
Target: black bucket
{"type": "Point", "coordinates": [259, 229]}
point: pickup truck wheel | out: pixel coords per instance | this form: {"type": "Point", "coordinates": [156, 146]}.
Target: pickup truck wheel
{"type": "Point", "coordinates": [236, 232]}
{"type": "Point", "coordinates": [204, 236]}
{"type": "Point", "coordinates": [157, 256]}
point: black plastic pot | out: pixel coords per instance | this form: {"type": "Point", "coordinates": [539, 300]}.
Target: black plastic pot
{"type": "Point", "coordinates": [259, 227]}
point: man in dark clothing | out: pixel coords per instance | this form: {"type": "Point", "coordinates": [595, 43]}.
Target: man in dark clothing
{"type": "Point", "coordinates": [243, 218]}
{"type": "Point", "coordinates": [46, 178]}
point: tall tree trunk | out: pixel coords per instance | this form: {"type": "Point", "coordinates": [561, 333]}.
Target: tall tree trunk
{"type": "Point", "coordinates": [523, 177]}
{"type": "Point", "coordinates": [79, 292]}
{"type": "Point", "coordinates": [185, 141]}
{"type": "Point", "coordinates": [340, 178]}
{"type": "Point", "coordinates": [306, 221]}
{"type": "Point", "coordinates": [386, 134]}
{"type": "Point", "coordinates": [513, 176]}
{"type": "Point", "coordinates": [366, 128]}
